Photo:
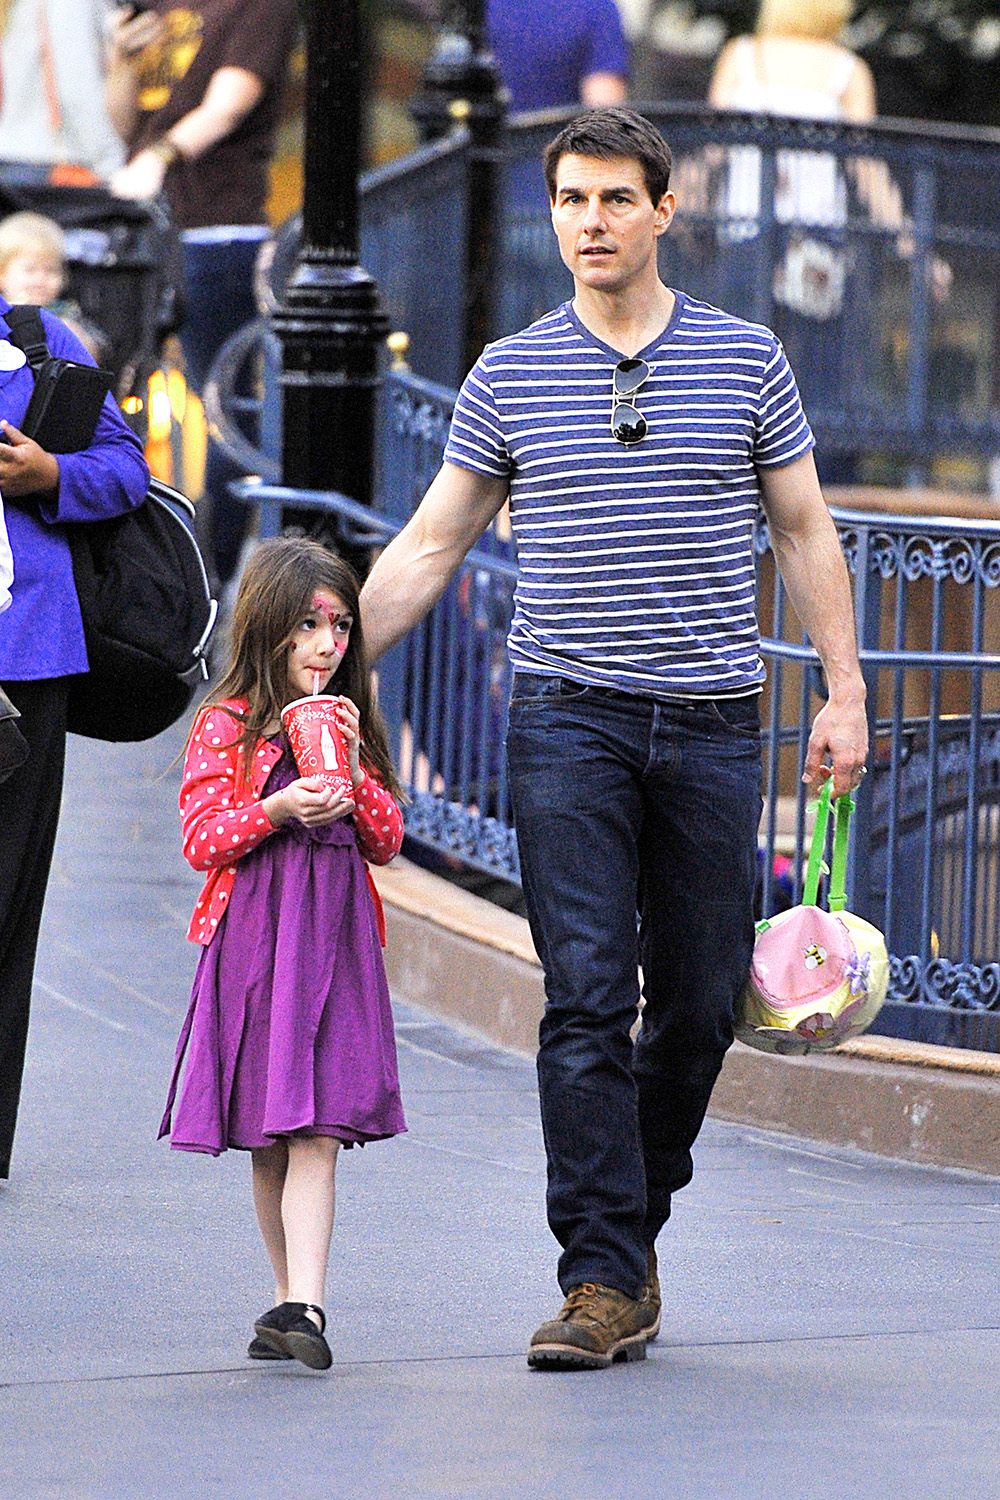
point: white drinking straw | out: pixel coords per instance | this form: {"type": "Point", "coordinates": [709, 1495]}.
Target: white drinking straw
{"type": "Point", "coordinates": [315, 684]}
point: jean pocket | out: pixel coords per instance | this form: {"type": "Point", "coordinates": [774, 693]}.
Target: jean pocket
{"type": "Point", "coordinates": [740, 716]}
{"type": "Point", "coordinates": [528, 689]}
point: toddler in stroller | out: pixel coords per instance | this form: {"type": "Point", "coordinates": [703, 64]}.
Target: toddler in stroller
{"type": "Point", "coordinates": [33, 270]}
{"type": "Point", "coordinates": [121, 272]}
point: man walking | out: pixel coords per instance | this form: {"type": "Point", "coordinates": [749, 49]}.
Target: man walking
{"type": "Point", "coordinates": [635, 431]}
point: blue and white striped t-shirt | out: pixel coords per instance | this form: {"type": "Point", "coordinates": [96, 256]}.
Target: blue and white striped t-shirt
{"type": "Point", "coordinates": [635, 563]}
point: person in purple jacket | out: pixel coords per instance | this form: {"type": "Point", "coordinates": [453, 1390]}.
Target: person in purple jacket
{"type": "Point", "coordinates": [41, 648]}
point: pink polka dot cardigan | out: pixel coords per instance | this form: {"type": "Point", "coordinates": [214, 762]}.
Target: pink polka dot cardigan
{"type": "Point", "coordinates": [222, 817]}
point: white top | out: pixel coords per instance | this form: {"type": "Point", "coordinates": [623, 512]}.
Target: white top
{"type": "Point", "coordinates": [6, 563]}
{"type": "Point", "coordinates": [810, 188]}
{"type": "Point", "coordinates": [789, 98]}
{"type": "Point", "coordinates": [52, 66]}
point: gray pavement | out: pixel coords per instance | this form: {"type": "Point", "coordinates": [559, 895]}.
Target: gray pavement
{"type": "Point", "coordinates": [831, 1322]}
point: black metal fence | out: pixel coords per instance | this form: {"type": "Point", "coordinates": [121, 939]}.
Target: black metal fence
{"type": "Point", "coordinates": [875, 253]}
{"type": "Point", "coordinates": [925, 859]}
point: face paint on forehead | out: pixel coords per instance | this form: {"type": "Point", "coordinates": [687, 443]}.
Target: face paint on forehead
{"type": "Point", "coordinates": [329, 612]}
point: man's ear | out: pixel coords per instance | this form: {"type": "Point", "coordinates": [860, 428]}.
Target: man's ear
{"type": "Point", "coordinates": [664, 212]}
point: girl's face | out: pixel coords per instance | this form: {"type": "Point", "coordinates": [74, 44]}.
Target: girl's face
{"type": "Point", "coordinates": [33, 276]}
{"type": "Point", "coordinates": [318, 644]}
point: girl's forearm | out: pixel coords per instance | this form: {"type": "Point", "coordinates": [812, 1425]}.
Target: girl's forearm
{"type": "Point", "coordinates": [378, 821]}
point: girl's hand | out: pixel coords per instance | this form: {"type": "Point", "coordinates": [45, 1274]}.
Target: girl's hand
{"type": "Point", "coordinates": [310, 800]}
{"type": "Point", "coordinates": [350, 723]}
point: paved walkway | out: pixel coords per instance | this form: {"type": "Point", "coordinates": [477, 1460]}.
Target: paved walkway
{"type": "Point", "coordinates": [831, 1321]}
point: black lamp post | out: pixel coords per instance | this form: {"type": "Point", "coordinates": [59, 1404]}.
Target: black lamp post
{"type": "Point", "coordinates": [329, 320]}
{"type": "Point", "coordinates": [461, 84]}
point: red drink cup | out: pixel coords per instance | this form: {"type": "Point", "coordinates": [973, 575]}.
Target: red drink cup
{"type": "Point", "coordinates": [318, 742]}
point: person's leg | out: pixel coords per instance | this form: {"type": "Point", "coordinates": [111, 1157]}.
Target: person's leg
{"type": "Point", "coordinates": [219, 296]}
{"type": "Point", "coordinates": [698, 856]}
{"type": "Point", "coordinates": [29, 816]}
{"type": "Point", "coordinates": [307, 1208]}
{"type": "Point", "coordinates": [219, 300]}
{"type": "Point", "coordinates": [576, 758]}
{"type": "Point", "coordinates": [270, 1165]}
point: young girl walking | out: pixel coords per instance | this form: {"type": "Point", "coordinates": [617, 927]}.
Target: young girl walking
{"type": "Point", "coordinates": [289, 1037]}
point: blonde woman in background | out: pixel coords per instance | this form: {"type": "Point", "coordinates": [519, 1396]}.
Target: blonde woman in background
{"type": "Point", "coordinates": [795, 65]}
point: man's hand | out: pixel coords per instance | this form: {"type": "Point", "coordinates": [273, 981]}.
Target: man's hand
{"type": "Point", "coordinates": [142, 178]}
{"type": "Point", "coordinates": [129, 31]}
{"type": "Point", "coordinates": [838, 746]}
{"type": "Point", "coordinates": [25, 468]}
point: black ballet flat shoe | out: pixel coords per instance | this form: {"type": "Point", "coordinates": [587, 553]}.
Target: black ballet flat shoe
{"type": "Point", "coordinates": [257, 1349]}
{"type": "Point", "coordinates": [287, 1330]}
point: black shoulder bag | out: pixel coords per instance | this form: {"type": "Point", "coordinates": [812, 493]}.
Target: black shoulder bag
{"type": "Point", "coordinates": [144, 595]}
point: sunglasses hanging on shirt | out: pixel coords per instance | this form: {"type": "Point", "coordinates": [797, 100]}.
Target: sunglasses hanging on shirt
{"type": "Point", "coordinates": [628, 425]}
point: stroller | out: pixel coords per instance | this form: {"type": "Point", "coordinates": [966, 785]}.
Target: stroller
{"type": "Point", "coordinates": [123, 267]}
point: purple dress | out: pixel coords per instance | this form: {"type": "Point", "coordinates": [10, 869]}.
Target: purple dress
{"type": "Point", "coordinates": [289, 1031]}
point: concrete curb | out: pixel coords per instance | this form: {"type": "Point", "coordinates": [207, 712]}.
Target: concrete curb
{"type": "Point", "coordinates": [464, 959]}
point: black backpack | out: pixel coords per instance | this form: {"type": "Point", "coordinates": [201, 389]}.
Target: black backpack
{"type": "Point", "coordinates": [147, 608]}
{"type": "Point", "coordinates": [147, 614]}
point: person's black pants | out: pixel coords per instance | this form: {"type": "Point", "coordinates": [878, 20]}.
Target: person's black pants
{"type": "Point", "coordinates": [29, 816]}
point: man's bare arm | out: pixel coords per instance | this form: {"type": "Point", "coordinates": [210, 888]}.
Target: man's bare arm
{"type": "Point", "coordinates": [416, 567]}
{"type": "Point", "coordinates": [230, 96]}
{"type": "Point", "coordinates": [811, 562]}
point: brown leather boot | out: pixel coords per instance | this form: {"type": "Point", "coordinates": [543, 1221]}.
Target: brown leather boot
{"type": "Point", "coordinates": [597, 1326]}
{"type": "Point", "coordinates": [651, 1291]}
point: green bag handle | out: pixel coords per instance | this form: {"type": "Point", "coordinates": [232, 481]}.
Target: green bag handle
{"type": "Point", "coordinates": [816, 867]}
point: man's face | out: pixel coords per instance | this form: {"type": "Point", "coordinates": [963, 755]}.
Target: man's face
{"type": "Point", "coordinates": [605, 222]}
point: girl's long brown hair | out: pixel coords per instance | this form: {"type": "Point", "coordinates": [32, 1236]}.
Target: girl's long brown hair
{"type": "Point", "coordinates": [275, 595]}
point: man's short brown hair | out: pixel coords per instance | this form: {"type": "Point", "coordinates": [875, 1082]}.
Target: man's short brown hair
{"type": "Point", "coordinates": [608, 134]}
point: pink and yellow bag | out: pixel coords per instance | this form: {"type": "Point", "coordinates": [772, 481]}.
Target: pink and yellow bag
{"type": "Point", "coordinates": [817, 977]}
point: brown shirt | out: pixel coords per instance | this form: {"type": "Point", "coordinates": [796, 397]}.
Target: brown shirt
{"type": "Point", "coordinates": [228, 184]}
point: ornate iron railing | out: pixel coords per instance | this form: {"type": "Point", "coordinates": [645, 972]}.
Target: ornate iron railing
{"type": "Point", "coordinates": [926, 835]}
{"type": "Point", "coordinates": [873, 251]}
{"type": "Point", "coordinates": [925, 863]}
{"type": "Point", "coordinates": [893, 325]}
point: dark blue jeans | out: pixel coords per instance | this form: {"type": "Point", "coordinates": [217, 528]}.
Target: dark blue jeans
{"type": "Point", "coordinates": [626, 804]}
{"type": "Point", "coordinates": [219, 297]}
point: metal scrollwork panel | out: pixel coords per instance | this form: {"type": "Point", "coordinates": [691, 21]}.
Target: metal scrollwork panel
{"type": "Point", "coordinates": [944, 985]}
{"type": "Point", "coordinates": [455, 829]}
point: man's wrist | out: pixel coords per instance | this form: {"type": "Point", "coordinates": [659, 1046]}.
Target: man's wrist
{"type": "Point", "coordinates": [847, 687]}
{"type": "Point", "coordinates": [167, 152]}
